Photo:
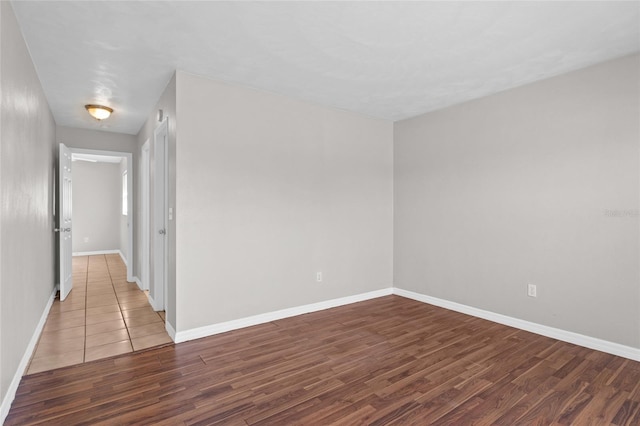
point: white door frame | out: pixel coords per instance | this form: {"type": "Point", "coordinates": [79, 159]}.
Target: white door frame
{"type": "Point", "coordinates": [145, 222]}
{"type": "Point", "coordinates": [65, 220]}
{"type": "Point", "coordinates": [158, 293]}
{"type": "Point", "coordinates": [129, 257]}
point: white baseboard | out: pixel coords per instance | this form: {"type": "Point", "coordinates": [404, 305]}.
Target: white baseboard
{"type": "Point", "coordinates": [210, 330]}
{"type": "Point", "coordinates": [555, 333]}
{"type": "Point", "coordinates": [24, 362]}
{"type": "Point", "coordinates": [170, 330]}
{"type": "Point", "coordinates": [137, 281]}
{"type": "Point", "coordinates": [153, 303]}
{"type": "Point", "coordinates": [94, 253]}
{"type": "Point", "coordinates": [124, 260]}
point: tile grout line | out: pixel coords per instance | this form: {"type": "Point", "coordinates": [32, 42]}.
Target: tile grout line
{"type": "Point", "coordinates": [112, 266]}
{"type": "Point", "coordinates": [60, 314]}
{"type": "Point", "coordinates": [126, 326]}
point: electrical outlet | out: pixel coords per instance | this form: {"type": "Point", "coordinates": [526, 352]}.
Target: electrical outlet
{"type": "Point", "coordinates": [86, 239]}
{"type": "Point", "coordinates": [319, 277]}
{"type": "Point", "coordinates": [532, 290]}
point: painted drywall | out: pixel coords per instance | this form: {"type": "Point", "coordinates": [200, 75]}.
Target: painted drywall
{"type": "Point", "coordinates": [96, 206]}
{"type": "Point", "coordinates": [167, 103]}
{"type": "Point", "coordinates": [27, 158]}
{"type": "Point", "coordinates": [272, 190]}
{"type": "Point", "coordinates": [537, 185]}
{"type": "Point", "coordinates": [96, 140]}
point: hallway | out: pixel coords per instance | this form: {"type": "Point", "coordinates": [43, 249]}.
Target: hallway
{"type": "Point", "coordinates": [104, 315]}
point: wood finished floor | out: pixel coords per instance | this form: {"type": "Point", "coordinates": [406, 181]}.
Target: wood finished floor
{"type": "Point", "coordinates": [386, 361]}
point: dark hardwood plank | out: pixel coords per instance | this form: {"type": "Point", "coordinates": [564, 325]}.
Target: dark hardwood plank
{"type": "Point", "coordinates": [385, 361]}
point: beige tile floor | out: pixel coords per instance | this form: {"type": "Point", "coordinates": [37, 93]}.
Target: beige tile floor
{"type": "Point", "coordinates": [104, 315]}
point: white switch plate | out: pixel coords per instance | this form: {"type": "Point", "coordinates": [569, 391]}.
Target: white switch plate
{"type": "Point", "coordinates": [532, 290]}
{"type": "Point", "coordinates": [319, 277]}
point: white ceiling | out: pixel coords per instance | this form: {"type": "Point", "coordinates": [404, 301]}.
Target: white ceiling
{"type": "Point", "coordinates": [391, 60]}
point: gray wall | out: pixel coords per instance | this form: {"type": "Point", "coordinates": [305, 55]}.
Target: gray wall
{"type": "Point", "coordinates": [271, 190]}
{"type": "Point", "coordinates": [27, 137]}
{"type": "Point", "coordinates": [538, 185]}
{"type": "Point", "coordinates": [167, 103]}
{"type": "Point", "coordinates": [96, 140]}
{"type": "Point", "coordinates": [96, 206]}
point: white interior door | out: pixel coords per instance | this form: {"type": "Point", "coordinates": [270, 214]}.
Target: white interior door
{"type": "Point", "coordinates": [157, 290]}
{"type": "Point", "coordinates": [64, 221]}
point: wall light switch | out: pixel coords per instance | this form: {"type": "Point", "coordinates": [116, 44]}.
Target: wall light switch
{"type": "Point", "coordinates": [532, 290]}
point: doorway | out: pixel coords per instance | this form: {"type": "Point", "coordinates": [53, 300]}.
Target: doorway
{"type": "Point", "coordinates": [104, 232]}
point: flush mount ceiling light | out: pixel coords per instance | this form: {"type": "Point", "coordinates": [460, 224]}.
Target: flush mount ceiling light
{"type": "Point", "coordinates": [99, 112]}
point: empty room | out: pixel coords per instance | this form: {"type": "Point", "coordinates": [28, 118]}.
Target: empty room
{"type": "Point", "coordinates": [319, 213]}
